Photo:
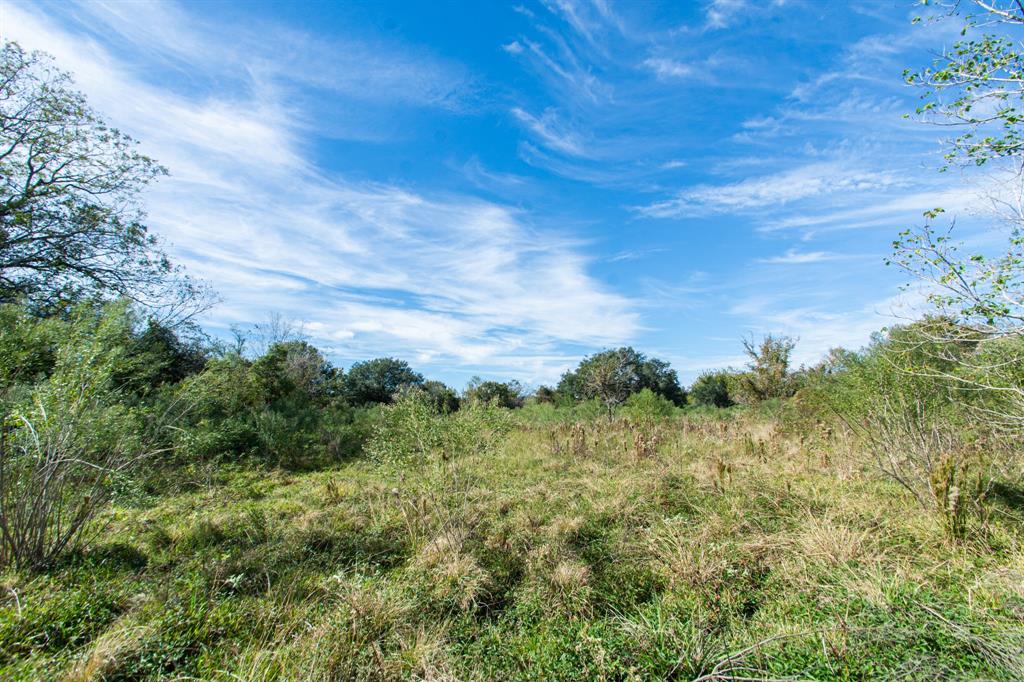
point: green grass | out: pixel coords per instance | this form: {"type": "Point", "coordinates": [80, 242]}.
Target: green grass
{"type": "Point", "coordinates": [537, 560]}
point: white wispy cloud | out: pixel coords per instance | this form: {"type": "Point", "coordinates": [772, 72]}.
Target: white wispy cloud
{"type": "Point", "coordinates": [633, 254]}
{"type": "Point", "coordinates": [564, 72]}
{"type": "Point", "coordinates": [668, 68]}
{"type": "Point", "coordinates": [574, 15]}
{"type": "Point", "coordinates": [358, 67]}
{"type": "Point", "coordinates": [803, 182]}
{"type": "Point", "coordinates": [721, 13]}
{"type": "Point", "coordinates": [475, 171]}
{"type": "Point", "coordinates": [593, 20]}
{"type": "Point", "coordinates": [794, 257]}
{"type": "Point", "coordinates": [819, 329]}
{"type": "Point", "coordinates": [552, 132]}
{"type": "Point", "coordinates": [369, 268]}
{"type": "Point", "coordinates": [899, 211]}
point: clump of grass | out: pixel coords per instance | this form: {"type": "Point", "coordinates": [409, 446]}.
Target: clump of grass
{"type": "Point", "coordinates": [451, 576]}
{"type": "Point", "coordinates": [832, 544]}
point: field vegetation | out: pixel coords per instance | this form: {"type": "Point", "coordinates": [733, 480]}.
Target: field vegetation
{"type": "Point", "coordinates": [174, 506]}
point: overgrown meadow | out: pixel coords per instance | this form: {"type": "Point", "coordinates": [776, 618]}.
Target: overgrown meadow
{"type": "Point", "coordinates": [175, 506]}
{"type": "Point", "coordinates": [288, 536]}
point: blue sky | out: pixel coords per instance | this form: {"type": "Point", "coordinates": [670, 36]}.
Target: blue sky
{"type": "Point", "coordinates": [500, 189]}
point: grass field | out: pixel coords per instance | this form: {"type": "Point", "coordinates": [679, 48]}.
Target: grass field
{"type": "Point", "coordinates": [709, 546]}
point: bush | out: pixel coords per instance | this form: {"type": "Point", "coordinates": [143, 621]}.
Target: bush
{"type": "Point", "coordinates": [711, 389]}
{"type": "Point", "coordinates": [411, 429]}
{"type": "Point", "coordinates": [901, 398]}
{"type": "Point", "coordinates": [344, 431]}
{"type": "Point", "coordinates": [647, 405]}
{"type": "Point", "coordinates": [285, 407]}
{"type": "Point", "coordinates": [286, 438]}
{"type": "Point", "coordinates": [64, 449]}
{"type": "Point", "coordinates": [27, 346]}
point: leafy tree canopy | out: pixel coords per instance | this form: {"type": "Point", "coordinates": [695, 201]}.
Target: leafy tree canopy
{"type": "Point", "coordinates": [769, 376]}
{"type": "Point", "coordinates": [498, 393]}
{"type": "Point", "coordinates": [976, 88]}
{"type": "Point", "coordinates": [378, 380]}
{"type": "Point", "coordinates": [711, 389]}
{"type": "Point", "coordinates": [614, 375]}
{"type": "Point", "coordinates": [296, 369]}
{"type": "Point", "coordinates": [71, 224]}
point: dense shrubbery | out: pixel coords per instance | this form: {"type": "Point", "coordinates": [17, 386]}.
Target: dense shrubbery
{"type": "Point", "coordinates": [103, 386]}
{"type": "Point", "coordinates": [711, 389]}
{"type": "Point", "coordinates": [412, 428]}
{"type": "Point", "coordinates": [647, 405]}
{"type": "Point", "coordinates": [906, 398]}
{"type": "Point", "coordinates": [69, 430]}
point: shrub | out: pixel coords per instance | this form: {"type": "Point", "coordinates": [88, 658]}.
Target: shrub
{"type": "Point", "coordinates": [62, 451]}
{"type": "Point", "coordinates": [711, 389]}
{"type": "Point", "coordinates": [410, 429]}
{"type": "Point", "coordinates": [647, 405]}
{"type": "Point", "coordinates": [344, 431]}
{"type": "Point", "coordinates": [284, 407]}
{"type": "Point", "coordinates": [286, 438]}
{"type": "Point", "coordinates": [897, 396]}
{"type": "Point", "coordinates": [27, 346]}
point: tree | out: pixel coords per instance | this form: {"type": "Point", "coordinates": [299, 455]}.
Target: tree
{"type": "Point", "coordinates": [70, 220]}
{"type": "Point", "coordinates": [769, 375]}
{"type": "Point", "coordinates": [636, 373]}
{"type": "Point", "coordinates": [977, 88]}
{"type": "Point", "coordinates": [443, 398]}
{"type": "Point", "coordinates": [162, 355]}
{"type": "Point", "coordinates": [508, 394]}
{"type": "Point", "coordinates": [976, 84]}
{"type": "Point", "coordinates": [544, 394]}
{"type": "Point", "coordinates": [658, 376]}
{"type": "Point", "coordinates": [377, 381]}
{"type": "Point", "coordinates": [711, 389]}
{"type": "Point", "coordinates": [296, 369]}
{"type": "Point", "coordinates": [610, 376]}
